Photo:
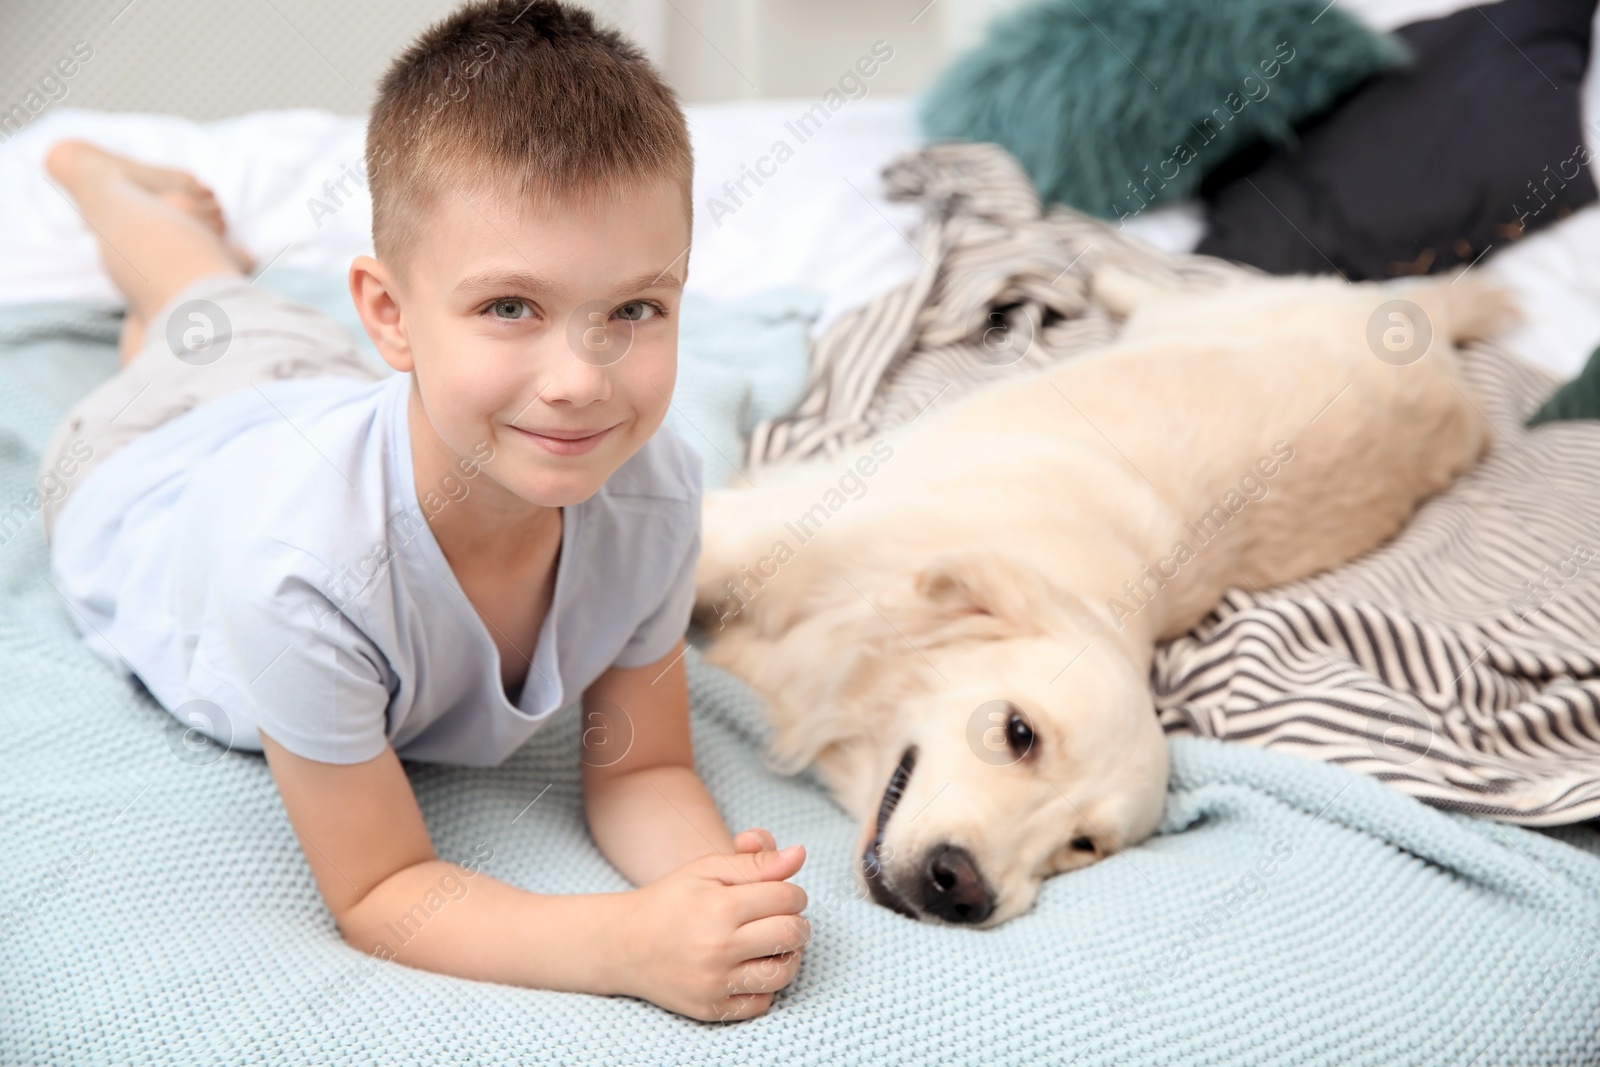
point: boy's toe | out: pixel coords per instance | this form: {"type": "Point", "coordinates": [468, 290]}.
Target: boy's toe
{"type": "Point", "coordinates": [61, 162]}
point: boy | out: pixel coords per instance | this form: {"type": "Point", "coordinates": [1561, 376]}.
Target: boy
{"type": "Point", "coordinates": [298, 553]}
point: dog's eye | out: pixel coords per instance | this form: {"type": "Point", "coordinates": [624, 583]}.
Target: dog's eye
{"type": "Point", "coordinates": [1019, 735]}
{"type": "Point", "coordinates": [1083, 844]}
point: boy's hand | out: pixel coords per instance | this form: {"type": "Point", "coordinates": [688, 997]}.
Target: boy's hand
{"type": "Point", "coordinates": [756, 840]}
{"type": "Point", "coordinates": [716, 938]}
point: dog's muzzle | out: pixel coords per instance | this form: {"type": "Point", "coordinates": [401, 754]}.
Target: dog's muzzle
{"type": "Point", "coordinates": [949, 884]}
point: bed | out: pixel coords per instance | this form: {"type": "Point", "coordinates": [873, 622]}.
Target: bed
{"type": "Point", "coordinates": [1289, 910]}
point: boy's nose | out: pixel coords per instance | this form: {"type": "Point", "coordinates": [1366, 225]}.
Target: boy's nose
{"type": "Point", "coordinates": [563, 377]}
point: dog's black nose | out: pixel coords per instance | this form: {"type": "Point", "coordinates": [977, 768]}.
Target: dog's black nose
{"type": "Point", "coordinates": [952, 888]}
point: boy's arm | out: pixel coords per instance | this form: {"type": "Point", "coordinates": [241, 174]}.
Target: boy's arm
{"type": "Point", "coordinates": [647, 808]}
{"type": "Point", "coordinates": [363, 835]}
{"type": "Point", "coordinates": [691, 942]}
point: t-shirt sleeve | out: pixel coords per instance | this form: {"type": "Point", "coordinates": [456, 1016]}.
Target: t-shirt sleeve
{"type": "Point", "coordinates": [278, 652]}
{"type": "Point", "coordinates": [658, 633]}
{"type": "Point", "coordinates": [666, 624]}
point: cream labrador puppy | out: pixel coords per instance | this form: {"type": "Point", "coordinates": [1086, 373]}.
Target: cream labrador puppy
{"type": "Point", "coordinates": [955, 623]}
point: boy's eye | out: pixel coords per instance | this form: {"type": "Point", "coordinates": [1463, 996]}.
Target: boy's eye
{"type": "Point", "coordinates": [635, 311]}
{"type": "Point", "coordinates": [509, 308]}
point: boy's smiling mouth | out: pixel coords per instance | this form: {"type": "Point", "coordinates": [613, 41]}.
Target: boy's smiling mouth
{"type": "Point", "coordinates": [567, 442]}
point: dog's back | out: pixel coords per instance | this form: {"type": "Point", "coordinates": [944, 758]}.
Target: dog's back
{"type": "Point", "coordinates": [1244, 436]}
{"type": "Point", "coordinates": [1291, 423]}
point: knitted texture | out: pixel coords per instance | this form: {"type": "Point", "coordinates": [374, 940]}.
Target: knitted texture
{"type": "Point", "coordinates": [159, 911]}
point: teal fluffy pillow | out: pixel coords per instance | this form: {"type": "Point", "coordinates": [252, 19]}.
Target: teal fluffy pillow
{"type": "Point", "coordinates": [1113, 105]}
{"type": "Point", "coordinates": [1578, 399]}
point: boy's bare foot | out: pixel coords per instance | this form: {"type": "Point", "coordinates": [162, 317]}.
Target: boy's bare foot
{"type": "Point", "coordinates": [76, 165]}
{"type": "Point", "coordinates": [71, 162]}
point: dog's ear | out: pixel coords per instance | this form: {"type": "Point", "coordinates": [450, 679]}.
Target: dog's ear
{"type": "Point", "coordinates": [976, 594]}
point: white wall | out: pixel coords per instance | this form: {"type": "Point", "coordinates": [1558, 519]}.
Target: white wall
{"type": "Point", "coordinates": [212, 58]}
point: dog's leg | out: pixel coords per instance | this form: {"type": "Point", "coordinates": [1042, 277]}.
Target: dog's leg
{"type": "Point", "coordinates": [749, 533]}
{"type": "Point", "coordinates": [741, 527]}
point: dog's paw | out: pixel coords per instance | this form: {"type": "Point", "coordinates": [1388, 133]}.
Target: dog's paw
{"type": "Point", "coordinates": [1478, 307]}
{"type": "Point", "coordinates": [1122, 291]}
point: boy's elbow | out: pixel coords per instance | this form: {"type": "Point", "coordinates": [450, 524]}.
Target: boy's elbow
{"type": "Point", "coordinates": [364, 931]}
{"type": "Point", "coordinates": [355, 929]}
{"type": "Point", "coordinates": [362, 928]}
{"type": "Point", "coordinates": [390, 914]}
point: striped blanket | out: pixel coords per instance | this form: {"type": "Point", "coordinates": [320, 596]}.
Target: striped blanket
{"type": "Point", "coordinates": [1459, 662]}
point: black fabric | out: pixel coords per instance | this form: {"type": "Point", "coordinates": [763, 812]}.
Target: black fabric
{"type": "Point", "coordinates": [1424, 169]}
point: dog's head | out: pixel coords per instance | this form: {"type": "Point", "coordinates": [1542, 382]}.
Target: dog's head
{"type": "Point", "coordinates": [1032, 749]}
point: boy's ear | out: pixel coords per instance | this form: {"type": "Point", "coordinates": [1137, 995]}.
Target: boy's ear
{"type": "Point", "coordinates": [373, 291]}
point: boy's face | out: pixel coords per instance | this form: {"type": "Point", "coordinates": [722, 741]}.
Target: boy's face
{"type": "Point", "coordinates": [524, 326]}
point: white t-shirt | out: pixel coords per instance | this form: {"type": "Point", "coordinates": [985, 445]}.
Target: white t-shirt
{"type": "Point", "coordinates": [267, 552]}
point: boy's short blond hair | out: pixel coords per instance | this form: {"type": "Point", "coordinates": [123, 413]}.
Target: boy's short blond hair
{"type": "Point", "coordinates": [527, 96]}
